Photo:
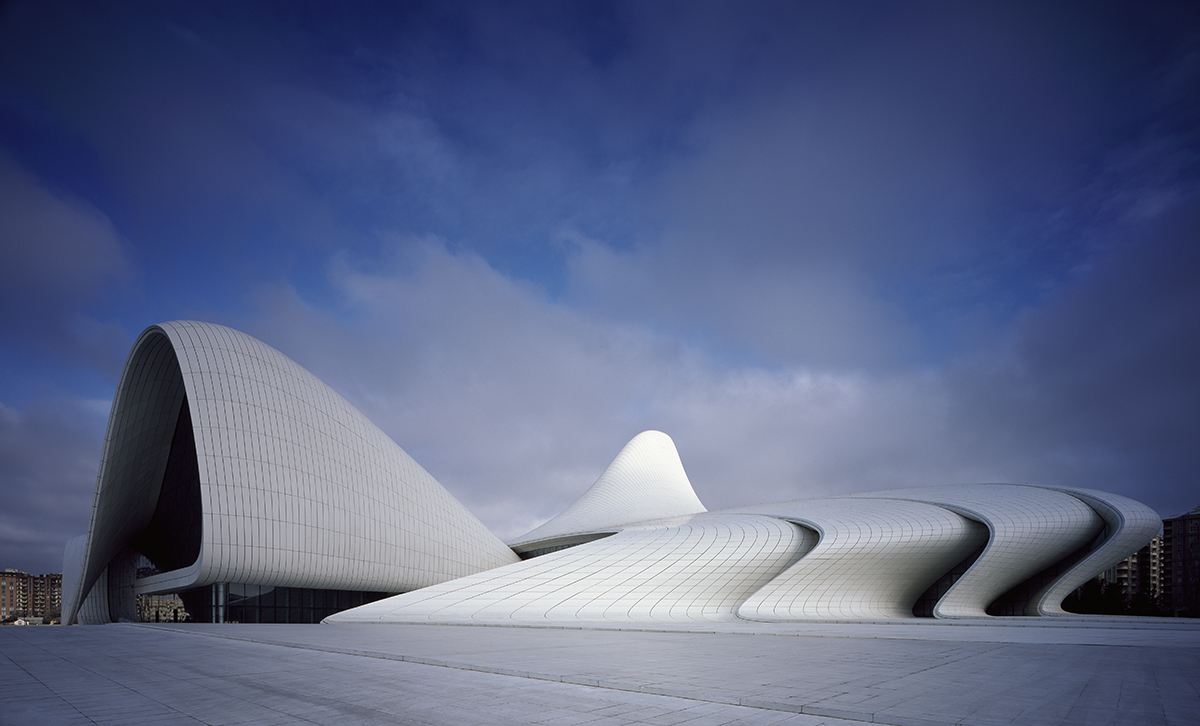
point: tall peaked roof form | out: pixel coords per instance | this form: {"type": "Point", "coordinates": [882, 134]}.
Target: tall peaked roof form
{"type": "Point", "coordinates": [646, 481]}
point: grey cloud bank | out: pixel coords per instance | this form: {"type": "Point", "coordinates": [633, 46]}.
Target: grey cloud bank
{"type": "Point", "coordinates": [828, 250]}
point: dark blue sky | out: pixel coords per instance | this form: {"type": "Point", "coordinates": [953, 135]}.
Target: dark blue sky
{"type": "Point", "coordinates": [827, 249]}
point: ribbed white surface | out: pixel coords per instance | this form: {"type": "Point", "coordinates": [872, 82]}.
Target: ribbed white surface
{"type": "Point", "coordinates": [698, 569]}
{"type": "Point", "coordinates": [72, 569]}
{"type": "Point", "coordinates": [645, 481]}
{"type": "Point", "coordinates": [1131, 525]}
{"type": "Point", "coordinates": [137, 443]}
{"type": "Point", "coordinates": [874, 560]}
{"type": "Point", "coordinates": [1030, 529]}
{"type": "Point", "coordinates": [94, 610]}
{"type": "Point", "coordinates": [298, 488]}
{"type": "Point", "coordinates": [877, 554]}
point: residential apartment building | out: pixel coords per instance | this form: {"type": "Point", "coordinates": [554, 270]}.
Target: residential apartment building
{"type": "Point", "coordinates": [26, 595]}
{"type": "Point", "coordinates": [1137, 574]}
{"type": "Point", "coordinates": [14, 594]}
{"type": "Point", "coordinates": [1180, 565]}
{"type": "Point", "coordinates": [45, 595]}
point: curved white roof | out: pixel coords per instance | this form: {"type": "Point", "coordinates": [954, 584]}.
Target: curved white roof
{"type": "Point", "coordinates": [874, 560]}
{"type": "Point", "coordinates": [296, 487]}
{"type": "Point", "coordinates": [1030, 529]}
{"type": "Point", "coordinates": [226, 462]}
{"type": "Point", "coordinates": [645, 481]}
{"type": "Point", "coordinates": [958, 548]}
{"type": "Point", "coordinates": [692, 568]}
{"type": "Point", "coordinates": [1129, 525]}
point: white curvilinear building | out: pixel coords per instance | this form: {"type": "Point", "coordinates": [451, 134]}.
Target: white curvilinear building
{"type": "Point", "coordinates": [232, 476]}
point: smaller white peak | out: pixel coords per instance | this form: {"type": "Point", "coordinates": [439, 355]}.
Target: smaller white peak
{"type": "Point", "coordinates": [645, 481]}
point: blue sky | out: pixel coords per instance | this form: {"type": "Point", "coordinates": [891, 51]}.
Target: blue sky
{"type": "Point", "coordinates": [827, 249]}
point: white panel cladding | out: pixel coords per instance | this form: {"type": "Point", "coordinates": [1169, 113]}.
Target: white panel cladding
{"type": "Point", "coordinates": [874, 560]}
{"type": "Point", "coordinates": [301, 490]}
{"type": "Point", "coordinates": [700, 568]}
{"type": "Point", "coordinates": [646, 481]}
{"type": "Point", "coordinates": [297, 487]}
{"type": "Point", "coordinates": [94, 608]}
{"type": "Point", "coordinates": [1030, 529]}
{"type": "Point", "coordinates": [1131, 526]}
{"type": "Point", "coordinates": [137, 442]}
{"type": "Point", "coordinates": [72, 573]}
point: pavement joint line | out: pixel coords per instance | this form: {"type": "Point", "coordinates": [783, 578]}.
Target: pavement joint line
{"type": "Point", "coordinates": [43, 685]}
{"type": "Point", "coordinates": [1128, 623]}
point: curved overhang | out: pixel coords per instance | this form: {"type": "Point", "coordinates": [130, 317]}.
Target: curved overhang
{"type": "Point", "coordinates": [72, 573]}
{"type": "Point", "coordinates": [874, 560]}
{"type": "Point", "coordinates": [1130, 525]}
{"type": "Point", "coordinates": [950, 552]}
{"type": "Point", "coordinates": [225, 461]}
{"type": "Point", "coordinates": [1030, 529]}
{"type": "Point", "coordinates": [137, 444]}
{"type": "Point", "coordinates": [545, 545]}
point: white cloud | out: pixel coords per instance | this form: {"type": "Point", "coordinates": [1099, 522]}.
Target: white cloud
{"type": "Point", "coordinates": [57, 249]}
{"type": "Point", "coordinates": [49, 456]}
{"type": "Point", "coordinates": [517, 403]}
{"type": "Point", "coordinates": [782, 186]}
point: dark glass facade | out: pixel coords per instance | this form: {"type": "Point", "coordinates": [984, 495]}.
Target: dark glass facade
{"type": "Point", "coordinates": [238, 603]}
{"type": "Point", "coordinates": [171, 540]}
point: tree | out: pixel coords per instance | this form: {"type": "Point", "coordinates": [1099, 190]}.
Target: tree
{"type": "Point", "coordinates": [1144, 605]}
{"type": "Point", "coordinates": [1097, 598]}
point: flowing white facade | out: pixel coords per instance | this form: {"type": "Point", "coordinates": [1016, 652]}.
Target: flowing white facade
{"type": "Point", "coordinates": [226, 462]}
{"type": "Point", "coordinates": [231, 472]}
{"type": "Point", "coordinates": [961, 552]}
{"type": "Point", "coordinates": [690, 568]}
{"type": "Point", "coordinates": [874, 559]}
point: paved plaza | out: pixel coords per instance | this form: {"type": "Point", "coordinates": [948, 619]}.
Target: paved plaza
{"type": "Point", "coordinates": [1010, 672]}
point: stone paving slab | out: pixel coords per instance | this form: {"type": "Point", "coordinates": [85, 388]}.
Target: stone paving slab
{"type": "Point", "coordinates": [819, 673]}
{"type": "Point", "coordinates": [134, 675]}
{"type": "Point", "coordinates": [981, 673]}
